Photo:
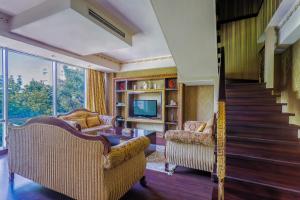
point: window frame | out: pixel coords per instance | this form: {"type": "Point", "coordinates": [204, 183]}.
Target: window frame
{"type": "Point", "coordinates": [5, 67]}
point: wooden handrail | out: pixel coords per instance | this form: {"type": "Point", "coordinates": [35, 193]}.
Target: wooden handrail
{"type": "Point", "coordinates": [221, 128]}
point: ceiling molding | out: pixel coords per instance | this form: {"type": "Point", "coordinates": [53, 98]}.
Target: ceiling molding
{"type": "Point", "coordinates": [147, 60]}
{"type": "Point", "coordinates": [149, 63]}
{"type": "Point", "coordinates": [284, 21]}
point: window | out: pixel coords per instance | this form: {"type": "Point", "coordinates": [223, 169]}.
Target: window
{"type": "Point", "coordinates": [30, 91]}
{"type": "Point", "coordinates": [70, 88]}
{"type": "Point", "coordinates": [33, 90]}
{"type": "Point", "coordinates": [2, 136]}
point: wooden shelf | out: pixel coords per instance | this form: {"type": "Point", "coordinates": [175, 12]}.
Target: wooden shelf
{"type": "Point", "coordinates": [120, 91]}
{"type": "Point", "coordinates": [121, 105]}
{"type": "Point", "coordinates": [171, 89]}
{"type": "Point", "coordinates": [171, 123]}
{"type": "Point", "coordinates": [146, 90]}
{"type": "Point", "coordinates": [144, 120]}
{"type": "Point", "coordinates": [171, 106]}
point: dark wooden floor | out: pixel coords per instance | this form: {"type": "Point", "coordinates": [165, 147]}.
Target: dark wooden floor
{"type": "Point", "coordinates": [185, 184]}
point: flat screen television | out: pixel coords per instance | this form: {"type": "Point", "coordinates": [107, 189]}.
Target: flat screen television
{"type": "Point", "coordinates": [145, 108]}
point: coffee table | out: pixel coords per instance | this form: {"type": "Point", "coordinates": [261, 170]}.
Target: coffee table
{"type": "Point", "coordinates": [115, 136]}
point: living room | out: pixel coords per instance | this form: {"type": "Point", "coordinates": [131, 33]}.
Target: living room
{"type": "Point", "coordinates": [92, 94]}
{"type": "Point", "coordinates": [149, 99]}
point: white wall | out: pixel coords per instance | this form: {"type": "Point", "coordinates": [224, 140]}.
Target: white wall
{"type": "Point", "coordinates": [190, 30]}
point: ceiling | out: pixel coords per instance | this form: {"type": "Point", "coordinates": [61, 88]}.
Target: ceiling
{"type": "Point", "coordinates": [147, 42]}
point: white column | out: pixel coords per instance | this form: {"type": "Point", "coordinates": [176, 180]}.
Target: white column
{"type": "Point", "coordinates": [270, 44]}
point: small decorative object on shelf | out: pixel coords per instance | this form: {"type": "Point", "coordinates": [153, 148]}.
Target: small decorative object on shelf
{"type": "Point", "coordinates": [122, 86]}
{"type": "Point", "coordinates": [173, 103]}
{"type": "Point", "coordinates": [145, 86]}
{"type": "Point", "coordinates": [154, 86]}
{"type": "Point", "coordinates": [127, 132]}
{"type": "Point", "coordinates": [120, 104]}
{"type": "Point", "coordinates": [119, 121]}
{"type": "Point", "coordinates": [172, 83]}
{"type": "Point", "coordinates": [172, 116]}
{"type": "Point", "coordinates": [134, 87]}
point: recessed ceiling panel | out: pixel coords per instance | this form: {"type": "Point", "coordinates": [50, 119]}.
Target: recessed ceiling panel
{"type": "Point", "coordinates": [84, 31]}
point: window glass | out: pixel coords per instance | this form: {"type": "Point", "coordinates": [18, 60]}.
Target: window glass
{"type": "Point", "coordinates": [30, 91]}
{"type": "Point", "coordinates": [70, 88]}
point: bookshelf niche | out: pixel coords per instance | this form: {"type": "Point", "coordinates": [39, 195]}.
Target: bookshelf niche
{"type": "Point", "coordinates": [164, 90]}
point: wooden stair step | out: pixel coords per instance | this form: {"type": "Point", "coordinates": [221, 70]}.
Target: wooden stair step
{"type": "Point", "coordinates": [230, 103]}
{"type": "Point", "coordinates": [275, 174]}
{"type": "Point", "coordinates": [250, 190]}
{"type": "Point", "coordinates": [261, 117]}
{"type": "Point", "coordinates": [245, 86]}
{"type": "Point", "coordinates": [245, 83]}
{"type": "Point", "coordinates": [232, 92]}
{"type": "Point", "coordinates": [257, 141]}
{"type": "Point", "coordinates": [251, 101]}
{"type": "Point", "coordinates": [264, 150]}
{"type": "Point", "coordinates": [250, 95]}
{"type": "Point", "coordinates": [256, 112]}
{"type": "Point", "coordinates": [262, 134]}
{"type": "Point", "coordinates": [261, 125]}
{"type": "Point", "coordinates": [265, 108]}
{"type": "Point", "coordinates": [248, 89]}
{"type": "Point", "coordinates": [292, 144]}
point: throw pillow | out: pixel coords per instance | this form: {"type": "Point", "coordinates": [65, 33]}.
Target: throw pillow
{"type": "Point", "coordinates": [93, 121]}
{"type": "Point", "coordinates": [201, 127]}
{"type": "Point", "coordinates": [81, 122]}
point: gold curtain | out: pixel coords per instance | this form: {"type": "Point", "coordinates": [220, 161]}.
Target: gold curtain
{"type": "Point", "coordinates": [96, 91]}
{"type": "Point", "coordinates": [239, 39]}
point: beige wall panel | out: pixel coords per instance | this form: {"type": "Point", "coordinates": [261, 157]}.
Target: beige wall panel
{"type": "Point", "coordinates": [198, 103]}
{"type": "Point", "coordinates": [290, 81]}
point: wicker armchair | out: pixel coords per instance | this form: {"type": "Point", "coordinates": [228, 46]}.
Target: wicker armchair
{"type": "Point", "coordinates": [190, 147]}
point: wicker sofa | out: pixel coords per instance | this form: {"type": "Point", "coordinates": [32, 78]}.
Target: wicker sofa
{"type": "Point", "coordinates": [191, 148]}
{"type": "Point", "coordinates": [49, 151]}
{"type": "Point", "coordinates": [79, 118]}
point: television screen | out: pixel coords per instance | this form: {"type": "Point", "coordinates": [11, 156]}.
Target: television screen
{"type": "Point", "coordinates": [145, 108]}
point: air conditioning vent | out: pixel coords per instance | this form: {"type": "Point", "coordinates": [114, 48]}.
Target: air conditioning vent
{"type": "Point", "coordinates": [106, 23]}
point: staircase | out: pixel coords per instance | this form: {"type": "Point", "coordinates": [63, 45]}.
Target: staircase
{"type": "Point", "coordinates": [262, 150]}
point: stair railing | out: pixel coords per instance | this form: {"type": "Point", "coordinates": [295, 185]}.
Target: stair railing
{"type": "Point", "coordinates": [221, 128]}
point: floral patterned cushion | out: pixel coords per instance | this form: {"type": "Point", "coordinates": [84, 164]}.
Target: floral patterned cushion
{"type": "Point", "coordinates": [192, 125]}
{"type": "Point", "coordinates": [190, 137]}
{"type": "Point", "coordinates": [107, 120]}
{"type": "Point", "coordinates": [125, 151]}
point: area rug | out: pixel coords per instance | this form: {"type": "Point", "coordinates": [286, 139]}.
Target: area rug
{"type": "Point", "coordinates": [156, 161]}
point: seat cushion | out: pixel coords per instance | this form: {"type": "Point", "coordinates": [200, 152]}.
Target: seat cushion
{"type": "Point", "coordinates": [96, 128]}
